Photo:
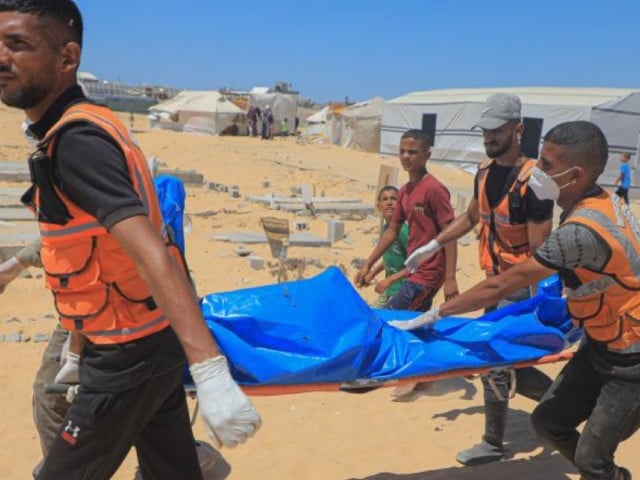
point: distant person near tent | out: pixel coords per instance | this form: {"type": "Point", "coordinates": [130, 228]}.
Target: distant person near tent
{"type": "Point", "coordinates": [284, 127]}
{"type": "Point", "coordinates": [393, 258]}
{"type": "Point", "coordinates": [596, 252]}
{"type": "Point", "coordinates": [253, 115]}
{"type": "Point", "coordinates": [514, 223]}
{"type": "Point", "coordinates": [267, 123]}
{"type": "Point", "coordinates": [624, 179]}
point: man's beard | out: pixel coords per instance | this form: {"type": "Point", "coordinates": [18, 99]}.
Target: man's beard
{"type": "Point", "coordinates": [24, 98]}
{"type": "Point", "coordinates": [499, 151]}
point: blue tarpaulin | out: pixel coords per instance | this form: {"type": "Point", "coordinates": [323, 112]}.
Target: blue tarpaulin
{"type": "Point", "coordinates": [171, 195]}
{"type": "Point", "coordinates": [320, 330]}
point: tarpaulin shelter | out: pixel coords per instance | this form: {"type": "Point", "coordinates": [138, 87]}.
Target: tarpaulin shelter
{"type": "Point", "coordinates": [360, 125]}
{"type": "Point", "coordinates": [283, 105]}
{"type": "Point", "coordinates": [196, 111]}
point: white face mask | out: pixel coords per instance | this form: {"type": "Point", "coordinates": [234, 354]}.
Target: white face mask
{"type": "Point", "coordinates": [543, 185]}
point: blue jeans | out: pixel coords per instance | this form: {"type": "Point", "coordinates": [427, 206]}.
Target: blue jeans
{"type": "Point", "coordinates": [412, 296]}
{"type": "Point", "coordinates": [610, 405]}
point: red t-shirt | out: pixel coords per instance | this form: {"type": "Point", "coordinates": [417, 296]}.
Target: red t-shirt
{"type": "Point", "coordinates": [426, 207]}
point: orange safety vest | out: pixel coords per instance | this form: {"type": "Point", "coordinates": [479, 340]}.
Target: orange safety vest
{"type": "Point", "coordinates": [503, 242]}
{"type": "Point", "coordinates": [96, 287]}
{"type": "Point", "coordinates": [607, 303]}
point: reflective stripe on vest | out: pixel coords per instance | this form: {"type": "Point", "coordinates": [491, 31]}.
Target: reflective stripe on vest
{"type": "Point", "coordinates": [127, 332]}
{"type": "Point", "coordinates": [507, 244]}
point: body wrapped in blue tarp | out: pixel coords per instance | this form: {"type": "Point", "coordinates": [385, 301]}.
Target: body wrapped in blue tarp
{"type": "Point", "coordinates": [320, 330]}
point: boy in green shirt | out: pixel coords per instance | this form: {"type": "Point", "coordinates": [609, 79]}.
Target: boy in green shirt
{"type": "Point", "coordinates": [393, 259]}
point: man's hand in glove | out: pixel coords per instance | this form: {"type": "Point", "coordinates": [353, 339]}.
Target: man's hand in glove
{"type": "Point", "coordinates": [427, 318]}
{"type": "Point", "coordinates": [69, 371]}
{"type": "Point", "coordinates": [229, 416]}
{"type": "Point", "coordinates": [421, 254]}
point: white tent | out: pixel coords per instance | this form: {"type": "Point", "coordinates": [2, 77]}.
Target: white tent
{"type": "Point", "coordinates": [283, 105]}
{"type": "Point", "coordinates": [197, 111]}
{"type": "Point", "coordinates": [455, 111]}
{"type": "Point", "coordinates": [319, 117]}
{"type": "Point", "coordinates": [360, 125]}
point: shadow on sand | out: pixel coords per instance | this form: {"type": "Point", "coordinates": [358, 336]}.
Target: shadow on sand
{"type": "Point", "coordinates": [542, 467]}
{"type": "Point", "coordinates": [543, 462]}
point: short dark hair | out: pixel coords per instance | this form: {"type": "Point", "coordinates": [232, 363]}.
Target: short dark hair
{"type": "Point", "coordinates": [387, 188]}
{"type": "Point", "coordinates": [419, 135]}
{"type": "Point", "coordinates": [586, 142]}
{"type": "Point", "coordinates": [63, 12]}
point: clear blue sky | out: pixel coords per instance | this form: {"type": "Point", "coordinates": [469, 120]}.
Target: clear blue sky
{"type": "Point", "coordinates": [357, 48]}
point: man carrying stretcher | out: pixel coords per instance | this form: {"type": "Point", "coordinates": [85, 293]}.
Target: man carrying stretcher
{"type": "Point", "coordinates": [514, 222]}
{"type": "Point", "coordinates": [596, 252]}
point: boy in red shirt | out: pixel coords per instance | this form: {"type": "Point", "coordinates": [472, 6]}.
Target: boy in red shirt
{"type": "Point", "coordinates": [424, 204]}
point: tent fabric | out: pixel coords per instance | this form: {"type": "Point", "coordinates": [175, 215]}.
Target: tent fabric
{"type": "Point", "coordinates": [356, 126]}
{"type": "Point", "coordinates": [283, 105]}
{"type": "Point", "coordinates": [615, 110]}
{"type": "Point", "coordinates": [320, 330]}
{"type": "Point", "coordinates": [320, 116]}
{"type": "Point", "coordinates": [360, 125]}
{"type": "Point", "coordinates": [197, 111]}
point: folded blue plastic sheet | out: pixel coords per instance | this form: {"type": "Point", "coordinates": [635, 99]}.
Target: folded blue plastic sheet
{"type": "Point", "coordinates": [320, 330]}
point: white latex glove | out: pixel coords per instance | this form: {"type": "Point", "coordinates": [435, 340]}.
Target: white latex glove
{"type": "Point", "coordinates": [229, 416]}
{"type": "Point", "coordinates": [69, 371]}
{"type": "Point", "coordinates": [72, 391]}
{"type": "Point", "coordinates": [65, 350]}
{"type": "Point", "coordinates": [421, 254]}
{"type": "Point", "coordinates": [427, 318]}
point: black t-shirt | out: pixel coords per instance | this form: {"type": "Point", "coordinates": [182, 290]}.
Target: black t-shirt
{"type": "Point", "coordinates": [535, 210]}
{"type": "Point", "coordinates": [89, 167]}
{"type": "Point", "coordinates": [91, 170]}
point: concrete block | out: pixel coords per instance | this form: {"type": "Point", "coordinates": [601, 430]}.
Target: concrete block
{"type": "Point", "coordinates": [335, 230]}
{"type": "Point", "coordinates": [257, 263]}
{"type": "Point", "coordinates": [301, 225]}
{"type": "Point", "coordinates": [187, 176]}
{"type": "Point", "coordinates": [218, 187]}
{"type": "Point", "coordinates": [14, 172]}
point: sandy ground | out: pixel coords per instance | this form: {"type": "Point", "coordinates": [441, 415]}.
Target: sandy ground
{"type": "Point", "coordinates": [324, 436]}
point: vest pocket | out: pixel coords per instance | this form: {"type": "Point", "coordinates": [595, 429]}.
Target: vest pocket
{"type": "Point", "coordinates": [82, 309]}
{"type": "Point", "coordinates": [80, 295]}
{"type": "Point", "coordinates": [70, 266]}
{"type": "Point", "coordinates": [595, 315]}
{"type": "Point", "coordinates": [135, 291]}
{"type": "Point", "coordinates": [632, 316]}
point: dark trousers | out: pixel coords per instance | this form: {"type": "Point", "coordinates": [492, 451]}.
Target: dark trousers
{"type": "Point", "coordinates": [412, 296]}
{"type": "Point", "coordinates": [610, 406]}
{"type": "Point", "coordinates": [530, 382]}
{"type": "Point", "coordinates": [100, 428]}
{"type": "Point", "coordinates": [49, 410]}
{"type": "Point", "coordinates": [624, 194]}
